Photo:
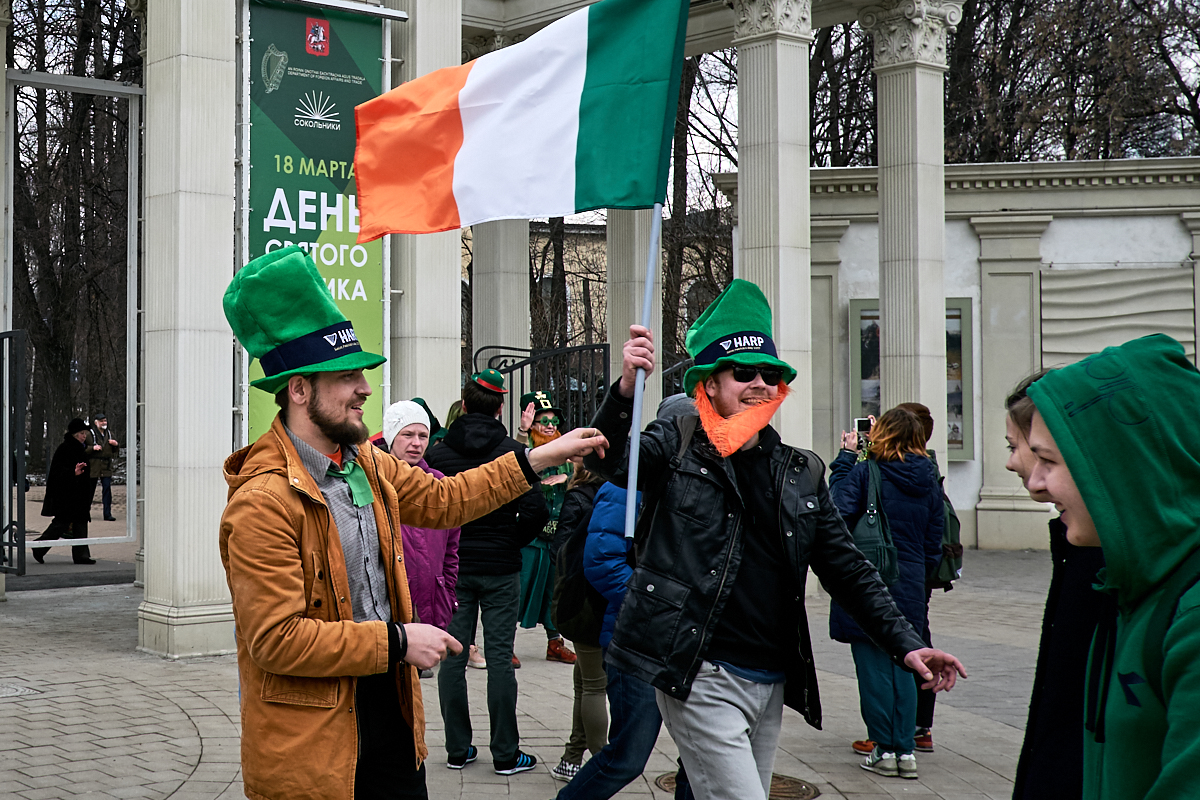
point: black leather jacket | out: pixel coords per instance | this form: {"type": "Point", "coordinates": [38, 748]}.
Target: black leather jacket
{"type": "Point", "coordinates": [689, 560]}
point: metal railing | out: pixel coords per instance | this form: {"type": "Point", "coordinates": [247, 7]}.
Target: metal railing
{"type": "Point", "coordinates": [576, 377]}
{"type": "Point", "coordinates": [12, 434]}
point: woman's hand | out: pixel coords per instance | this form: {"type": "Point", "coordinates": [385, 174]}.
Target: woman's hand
{"type": "Point", "coordinates": [527, 418]}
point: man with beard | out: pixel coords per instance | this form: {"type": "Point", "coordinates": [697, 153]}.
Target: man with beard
{"type": "Point", "coordinates": [714, 616]}
{"type": "Point", "coordinates": [328, 651]}
{"type": "Point", "coordinates": [489, 565]}
{"type": "Point", "coordinates": [539, 422]}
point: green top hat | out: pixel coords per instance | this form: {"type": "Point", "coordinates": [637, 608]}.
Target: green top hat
{"type": "Point", "coordinates": [734, 329]}
{"type": "Point", "coordinates": [542, 401]}
{"type": "Point", "coordinates": [490, 379]}
{"type": "Point", "coordinates": [280, 310]}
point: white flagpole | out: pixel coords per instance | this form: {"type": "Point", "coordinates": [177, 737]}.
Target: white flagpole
{"type": "Point", "coordinates": [639, 386]}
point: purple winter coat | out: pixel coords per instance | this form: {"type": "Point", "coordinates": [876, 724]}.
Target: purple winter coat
{"type": "Point", "coordinates": [431, 560]}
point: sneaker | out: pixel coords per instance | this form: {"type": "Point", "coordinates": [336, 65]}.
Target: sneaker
{"type": "Point", "coordinates": [516, 662]}
{"type": "Point", "coordinates": [475, 659]}
{"type": "Point", "coordinates": [557, 650]}
{"type": "Point", "coordinates": [459, 763]}
{"type": "Point", "coordinates": [881, 764]}
{"type": "Point", "coordinates": [522, 763]}
{"type": "Point", "coordinates": [907, 765]}
{"type": "Point", "coordinates": [864, 747]}
{"type": "Point", "coordinates": [565, 770]}
{"type": "Point", "coordinates": [924, 740]}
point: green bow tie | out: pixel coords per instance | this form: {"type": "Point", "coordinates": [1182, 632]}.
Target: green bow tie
{"type": "Point", "coordinates": [360, 487]}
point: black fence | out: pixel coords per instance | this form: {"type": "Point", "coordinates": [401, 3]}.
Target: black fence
{"type": "Point", "coordinates": [12, 434]}
{"type": "Point", "coordinates": [672, 377]}
{"type": "Point", "coordinates": [577, 377]}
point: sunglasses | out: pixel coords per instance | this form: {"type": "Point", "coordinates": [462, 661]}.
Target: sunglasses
{"type": "Point", "coordinates": [771, 376]}
{"type": "Point", "coordinates": [548, 421]}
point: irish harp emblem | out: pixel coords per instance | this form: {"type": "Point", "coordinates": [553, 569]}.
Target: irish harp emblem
{"type": "Point", "coordinates": [274, 65]}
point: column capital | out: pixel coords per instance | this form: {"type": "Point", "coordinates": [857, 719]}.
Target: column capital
{"type": "Point", "coordinates": [478, 46]}
{"type": "Point", "coordinates": [756, 19]}
{"type": "Point", "coordinates": [5, 13]}
{"type": "Point", "coordinates": [910, 32]}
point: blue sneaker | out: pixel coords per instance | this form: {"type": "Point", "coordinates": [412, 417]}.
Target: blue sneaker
{"type": "Point", "coordinates": [459, 763]}
{"type": "Point", "coordinates": [522, 763]}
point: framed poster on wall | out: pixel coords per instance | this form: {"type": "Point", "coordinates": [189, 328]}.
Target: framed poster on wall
{"type": "Point", "coordinates": [864, 371]}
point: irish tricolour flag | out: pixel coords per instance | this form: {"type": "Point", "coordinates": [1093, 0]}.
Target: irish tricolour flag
{"type": "Point", "coordinates": [578, 116]}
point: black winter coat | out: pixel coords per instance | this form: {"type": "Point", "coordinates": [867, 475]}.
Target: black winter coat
{"type": "Point", "coordinates": [490, 545]}
{"type": "Point", "coordinates": [67, 494]}
{"type": "Point", "coordinates": [912, 502]}
{"type": "Point", "coordinates": [688, 563]}
{"type": "Point", "coordinates": [1051, 763]}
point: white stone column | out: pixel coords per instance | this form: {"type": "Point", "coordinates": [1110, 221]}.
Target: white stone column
{"type": "Point", "coordinates": [500, 284]}
{"type": "Point", "coordinates": [1010, 333]}
{"type": "Point", "coordinates": [628, 246]}
{"type": "Point", "coordinates": [829, 339]}
{"type": "Point", "coordinates": [910, 60]}
{"type": "Point", "coordinates": [1191, 220]}
{"type": "Point", "coordinates": [189, 211]}
{"type": "Point", "coordinates": [426, 317]}
{"type": "Point", "coordinates": [772, 38]}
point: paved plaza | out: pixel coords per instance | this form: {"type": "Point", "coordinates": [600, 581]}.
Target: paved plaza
{"type": "Point", "coordinates": [84, 715]}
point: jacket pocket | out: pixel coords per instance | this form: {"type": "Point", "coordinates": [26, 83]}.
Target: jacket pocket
{"type": "Point", "coordinates": [651, 613]}
{"type": "Point", "coordinates": [799, 519]}
{"type": "Point", "coordinates": [700, 496]}
{"type": "Point", "coordinates": [297, 691]}
{"type": "Point", "coordinates": [443, 604]}
{"type": "Point", "coordinates": [318, 604]}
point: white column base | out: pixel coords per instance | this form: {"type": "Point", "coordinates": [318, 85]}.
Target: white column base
{"type": "Point", "coordinates": [1007, 519]}
{"type": "Point", "coordinates": [175, 632]}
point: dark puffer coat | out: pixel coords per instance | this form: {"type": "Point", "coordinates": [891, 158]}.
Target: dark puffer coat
{"type": "Point", "coordinates": [490, 545]}
{"type": "Point", "coordinates": [912, 502]}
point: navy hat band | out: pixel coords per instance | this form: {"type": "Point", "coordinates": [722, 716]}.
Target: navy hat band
{"type": "Point", "coordinates": [734, 344]}
{"type": "Point", "coordinates": [312, 349]}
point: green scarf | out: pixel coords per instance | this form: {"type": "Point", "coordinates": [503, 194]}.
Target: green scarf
{"type": "Point", "coordinates": [360, 487]}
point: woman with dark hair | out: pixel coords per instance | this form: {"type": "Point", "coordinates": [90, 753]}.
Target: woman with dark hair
{"type": "Point", "coordinates": [1051, 762]}
{"type": "Point", "coordinates": [911, 499]}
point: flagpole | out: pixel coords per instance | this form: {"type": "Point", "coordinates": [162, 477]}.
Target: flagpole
{"type": "Point", "coordinates": [639, 384]}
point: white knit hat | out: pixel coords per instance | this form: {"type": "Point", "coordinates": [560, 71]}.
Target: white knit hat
{"type": "Point", "coordinates": [399, 416]}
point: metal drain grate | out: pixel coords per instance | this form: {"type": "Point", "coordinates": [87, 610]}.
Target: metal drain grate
{"type": "Point", "coordinates": [14, 690]}
{"type": "Point", "coordinates": [783, 787]}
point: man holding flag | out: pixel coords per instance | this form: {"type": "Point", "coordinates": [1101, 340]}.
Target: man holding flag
{"type": "Point", "coordinates": [714, 617]}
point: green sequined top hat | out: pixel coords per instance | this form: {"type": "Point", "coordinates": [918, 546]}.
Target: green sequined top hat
{"type": "Point", "coordinates": [490, 379]}
{"type": "Point", "coordinates": [542, 401]}
{"type": "Point", "coordinates": [280, 310]}
{"type": "Point", "coordinates": [734, 329]}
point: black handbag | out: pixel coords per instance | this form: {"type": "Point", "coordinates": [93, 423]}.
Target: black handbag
{"type": "Point", "coordinates": [873, 535]}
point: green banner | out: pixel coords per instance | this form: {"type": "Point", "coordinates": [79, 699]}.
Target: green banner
{"type": "Point", "coordinates": [308, 69]}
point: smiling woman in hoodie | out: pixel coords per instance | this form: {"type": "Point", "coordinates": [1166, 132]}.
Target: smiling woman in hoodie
{"type": "Point", "coordinates": [1118, 451]}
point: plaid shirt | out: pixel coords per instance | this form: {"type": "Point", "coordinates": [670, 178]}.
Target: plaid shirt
{"type": "Point", "coordinates": [357, 531]}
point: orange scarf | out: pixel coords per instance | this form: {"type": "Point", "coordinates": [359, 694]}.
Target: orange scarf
{"type": "Point", "coordinates": [728, 434]}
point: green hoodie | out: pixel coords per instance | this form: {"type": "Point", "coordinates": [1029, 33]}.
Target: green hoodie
{"type": "Point", "coordinates": [1125, 423]}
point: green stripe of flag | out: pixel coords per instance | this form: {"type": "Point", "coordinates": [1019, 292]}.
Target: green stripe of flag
{"type": "Point", "coordinates": [627, 110]}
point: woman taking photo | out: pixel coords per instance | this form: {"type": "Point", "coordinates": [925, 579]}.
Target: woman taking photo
{"type": "Point", "coordinates": [911, 501]}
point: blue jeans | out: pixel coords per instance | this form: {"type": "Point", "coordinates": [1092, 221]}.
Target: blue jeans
{"type": "Point", "coordinates": [632, 735]}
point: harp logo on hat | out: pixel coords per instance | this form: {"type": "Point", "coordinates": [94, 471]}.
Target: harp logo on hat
{"type": "Point", "coordinates": [342, 337]}
{"type": "Point", "coordinates": [743, 343]}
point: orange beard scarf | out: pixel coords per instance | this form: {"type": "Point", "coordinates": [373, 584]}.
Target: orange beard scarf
{"type": "Point", "coordinates": [728, 434]}
{"type": "Point", "coordinates": [539, 440]}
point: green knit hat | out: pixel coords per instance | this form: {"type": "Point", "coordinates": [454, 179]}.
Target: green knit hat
{"type": "Point", "coordinates": [735, 329]}
{"type": "Point", "coordinates": [280, 310]}
{"type": "Point", "coordinates": [542, 401]}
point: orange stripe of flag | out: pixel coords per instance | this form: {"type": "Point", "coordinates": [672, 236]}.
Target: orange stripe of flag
{"type": "Point", "coordinates": [407, 142]}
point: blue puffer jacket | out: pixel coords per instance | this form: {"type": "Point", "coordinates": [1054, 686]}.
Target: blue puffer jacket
{"type": "Point", "coordinates": [604, 556]}
{"type": "Point", "coordinates": [912, 501]}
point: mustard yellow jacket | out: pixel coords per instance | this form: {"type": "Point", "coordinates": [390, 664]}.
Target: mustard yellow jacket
{"type": "Point", "coordinates": [299, 650]}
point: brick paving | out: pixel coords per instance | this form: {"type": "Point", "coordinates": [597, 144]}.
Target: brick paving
{"type": "Point", "coordinates": [82, 714]}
